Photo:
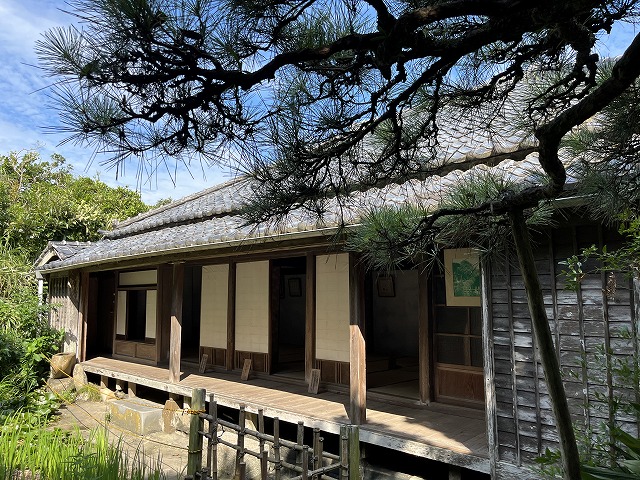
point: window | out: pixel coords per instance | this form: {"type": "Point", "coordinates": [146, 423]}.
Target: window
{"type": "Point", "coordinates": [458, 330]}
{"type": "Point", "coordinates": [136, 309]}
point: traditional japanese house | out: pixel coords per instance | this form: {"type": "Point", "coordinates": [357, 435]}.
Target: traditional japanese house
{"type": "Point", "coordinates": [439, 364]}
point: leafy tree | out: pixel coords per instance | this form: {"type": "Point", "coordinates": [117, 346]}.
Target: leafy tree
{"type": "Point", "coordinates": [317, 99]}
{"type": "Point", "coordinates": [41, 201]}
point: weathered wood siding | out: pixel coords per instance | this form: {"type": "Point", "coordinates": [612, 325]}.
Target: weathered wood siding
{"type": "Point", "coordinates": [64, 296]}
{"type": "Point", "coordinates": [585, 324]}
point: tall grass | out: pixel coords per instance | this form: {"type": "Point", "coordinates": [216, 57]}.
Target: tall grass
{"type": "Point", "coordinates": [41, 453]}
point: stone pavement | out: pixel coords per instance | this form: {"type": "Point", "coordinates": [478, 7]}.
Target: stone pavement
{"type": "Point", "coordinates": [170, 448]}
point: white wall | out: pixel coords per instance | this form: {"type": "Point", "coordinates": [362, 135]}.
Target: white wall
{"type": "Point", "coordinates": [150, 324]}
{"type": "Point", "coordinates": [121, 313]}
{"type": "Point", "coordinates": [214, 306]}
{"type": "Point", "coordinates": [332, 307]}
{"type": "Point", "coordinates": [252, 307]}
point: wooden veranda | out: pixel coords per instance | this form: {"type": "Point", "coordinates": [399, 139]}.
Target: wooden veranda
{"type": "Point", "coordinates": [453, 435]}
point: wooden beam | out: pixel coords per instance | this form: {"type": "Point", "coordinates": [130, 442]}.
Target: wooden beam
{"type": "Point", "coordinates": [357, 347]}
{"type": "Point", "coordinates": [491, 407]}
{"type": "Point", "coordinates": [176, 322]}
{"type": "Point", "coordinates": [310, 318]}
{"type": "Point", "coordinates": [231, 318]}
{"type": "Point", "coordinates": [84, 313]}
{"type": "Point", "coordinates": [424, 339]}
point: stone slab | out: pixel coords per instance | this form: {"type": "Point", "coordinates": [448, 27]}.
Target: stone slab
{"type": "Point", "coordinates": [141, 418]}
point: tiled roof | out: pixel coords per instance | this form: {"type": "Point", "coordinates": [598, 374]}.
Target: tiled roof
{"type": "Point", "coordinates": [61, 250]}
{"type": "Point", "coordinates": [460, 138]}
{"type": "Point", "coordinates": [230, 229]}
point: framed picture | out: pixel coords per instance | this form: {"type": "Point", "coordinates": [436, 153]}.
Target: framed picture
{"type": "Point", "coordinates": [385, 286]}
{"type": "Point", "coordinates": [462, 277]}
{"type": "Point", "coordinates": [295, 287]}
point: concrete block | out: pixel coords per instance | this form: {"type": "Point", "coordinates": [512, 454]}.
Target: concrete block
{"type": "Point", "coordinates": [136, 417]}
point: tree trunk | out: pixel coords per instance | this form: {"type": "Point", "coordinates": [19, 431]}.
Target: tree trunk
{"type": "Point", "coordinates": [544, 340]}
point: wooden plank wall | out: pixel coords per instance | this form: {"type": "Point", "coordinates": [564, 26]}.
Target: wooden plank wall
{"type": "Point", "coordinates": [64, 295]}
{"type": "Point", "coordinates": [584, 323]}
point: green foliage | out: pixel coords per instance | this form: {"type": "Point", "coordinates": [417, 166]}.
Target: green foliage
{"type": "Point", "coordinates": [34, 451]}
{"type": "Point", "coordinates": [42, 201]}
{"type": "Point", "coordinates": [415, 234]}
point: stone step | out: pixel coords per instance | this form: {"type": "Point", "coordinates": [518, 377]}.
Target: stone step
{"type": "Point", "coordinates": [139, 417]}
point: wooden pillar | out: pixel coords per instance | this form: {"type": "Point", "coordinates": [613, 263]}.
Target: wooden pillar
{"type": "Point", "coordinates": [357, 347]}
{"type": "Point", "coordinates": [231, 318]}
{"type": "Point", "coordinates": [176, 322]}
{"type": "Point", "coordinates": [84, 312]}
{"type": "Point", "coordinates": [424, 345]}
{"type": "Point", "coordinates": [491, 408]}
{"type": "Point", "coordinates": [132, 389]}
{"type": "Point", "coordinates": [310, 318]}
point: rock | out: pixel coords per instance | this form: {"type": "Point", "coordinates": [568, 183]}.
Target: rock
{"type": "Point", "coordinates": [170, 409]}
{"type": "Point", "coordinates": [62, 364]}
{"type": "Point", "coordinates": [79, 377]}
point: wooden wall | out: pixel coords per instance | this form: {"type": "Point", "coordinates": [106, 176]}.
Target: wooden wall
{"type": "Point", "coordinates": [64, 295]}
{"type": "Point", "coordinates": [584, 323]}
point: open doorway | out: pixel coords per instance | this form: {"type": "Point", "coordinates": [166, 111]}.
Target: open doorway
{"type": "Point", "coordinates": [192, 294]}
{"type": "Point", "coordinates": [288, 315]}
{"type": "Point", "coordinates": [392, 333]}
{"type": "Point", "coordinates": [100, 314]}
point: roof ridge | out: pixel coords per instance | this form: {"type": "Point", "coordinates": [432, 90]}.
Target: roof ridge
{"type": "Point", "coordinates": [176, 203]}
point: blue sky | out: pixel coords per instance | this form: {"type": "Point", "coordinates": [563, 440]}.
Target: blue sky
{"type": "Point", "coordinates": [24, 111]}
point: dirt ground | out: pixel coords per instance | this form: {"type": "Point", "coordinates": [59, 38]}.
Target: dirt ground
{"type": "Point", "coordinates": [170, 449]}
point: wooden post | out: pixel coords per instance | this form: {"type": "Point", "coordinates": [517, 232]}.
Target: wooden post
{"type": "Point", "coordinates": [455, 473]}
{"type": "Point", "coordinates": [357, 347]}
{"type": "Point", "coordinates": [276, 447]}
{"type": "Point", "coordinates": [241, 433]}
{"type": "Point", "coordinates": [354, 452]}
{"type": "Point", "coordinates": [548, 355]}
{"type": "Point", "coordinates": [176, 322]}
{"type": "Point", "coordinates": [132, 389]}
{"type": "Point", "coordinates": [104, 381]}
{"type": "Point", "coordinates": [264, 464]}
{"type": "Point", "coordinates": [491, 408]}
{"type": "Point", "coordinates": [310, 318]}
{"type": "Point", "coordinates": [424, 350]}
{"type": "Point", "coordinates": [231, 318]}
{"type": "Point", "coordinates": [299, 441]}
{"type": "Point", "coordinates": [344, 453]}
{"type": "Point", "coordinates": [317, 451]}
{"type": "Point", "coordinates": [261, 428]}
{"type": "Point", "coordinates": [305, 462]}
{"type": "Point", "coordinates": [213, 429]}
{"type": "Point", "coordinates": [194, 461]}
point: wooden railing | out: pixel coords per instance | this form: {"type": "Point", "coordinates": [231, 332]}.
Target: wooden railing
{"type": "Point", "coordinates": [311, 461]}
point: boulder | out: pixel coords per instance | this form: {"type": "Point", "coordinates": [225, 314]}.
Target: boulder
{"type": "Point", "coordinates": [62, 364]}
{"type": "Point", "coordinates": [79, 377]}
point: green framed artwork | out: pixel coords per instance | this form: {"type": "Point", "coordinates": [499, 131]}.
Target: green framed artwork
{"type": "Point", "coordinates": [462, 277]}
